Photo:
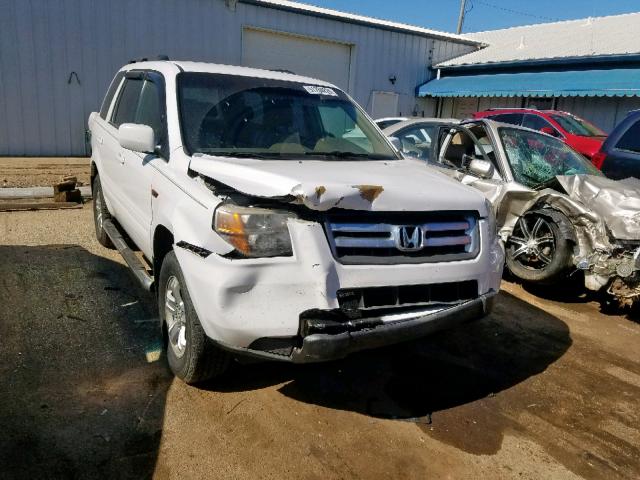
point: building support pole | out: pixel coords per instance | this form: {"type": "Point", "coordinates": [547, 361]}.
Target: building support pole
{"type": "Point", "coordinates": [463, 4]}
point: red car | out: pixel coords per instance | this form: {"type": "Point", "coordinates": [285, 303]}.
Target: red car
{"type": "Point", "coordinates": [576, 132]}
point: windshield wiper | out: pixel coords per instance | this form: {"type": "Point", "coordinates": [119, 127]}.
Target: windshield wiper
{"type": "Point", "coordinates": [341, 154]}
{"type": "Point", "coordinates": [241, 154]}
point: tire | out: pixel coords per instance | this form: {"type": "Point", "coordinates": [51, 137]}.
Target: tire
{"type": "Point", "coordinates": [538, 251]}
{"type": "Point", "coordinates": [192, 356]}
{"type": "Point", "coordinates": [100, 214]}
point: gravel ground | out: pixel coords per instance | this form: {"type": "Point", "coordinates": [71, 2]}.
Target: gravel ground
{"type": "Point", "coordinates": [42, 171]}
{"type": "Point", "coordinates": [543, 388]}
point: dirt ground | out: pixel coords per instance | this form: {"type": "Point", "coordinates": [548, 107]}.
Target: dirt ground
{"type": "Point", "coordinates": [541, 389]}
{"type": "Point", "coordinates": [42, 171]}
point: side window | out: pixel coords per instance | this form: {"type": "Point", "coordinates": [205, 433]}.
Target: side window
{"type": "Point", "coordinates": [535, 122]}
{"type": "Point", "coordinates": [630, 140]}
{"type": "Point", "coordinates": [417, 141]}
{"type": "Point", "coordinates": [460, 145]}
{"type": "Point", "coordinates": [106, 103]}
{"type": "Point", "coordinates": [149, 110]}
{"type": "Point", "coordinates": [511, 118]}
{"type": "Point", "coordinates": [127, 102]}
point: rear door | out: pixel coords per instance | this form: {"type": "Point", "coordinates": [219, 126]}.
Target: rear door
{"type": "Point", "coordinates": [624, 159]}
{"type": "Point", "coordinates": [105, 141]}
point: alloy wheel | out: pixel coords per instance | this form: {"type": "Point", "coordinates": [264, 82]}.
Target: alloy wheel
{"type": "Point", "coordinates": [532, 244]}
{"type": "Point", "coordinates": [175, 317]}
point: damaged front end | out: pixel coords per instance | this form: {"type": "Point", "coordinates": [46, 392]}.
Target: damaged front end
{"type": "Point", "coordinates": [605, 218]}
{"type": "Point", "coordinates": [618, 270]}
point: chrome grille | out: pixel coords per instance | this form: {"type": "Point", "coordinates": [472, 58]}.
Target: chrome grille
{"type": "Point", "coordinates": [404, 238]}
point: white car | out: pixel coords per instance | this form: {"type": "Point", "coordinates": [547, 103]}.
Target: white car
{"type": "Point", "coordinates": [267, 230]}
{"type": "Point", "coordinates": [388, 121]}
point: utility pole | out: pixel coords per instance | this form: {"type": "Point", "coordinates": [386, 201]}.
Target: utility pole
{"type": "Point", "coordinates": [463, 4]}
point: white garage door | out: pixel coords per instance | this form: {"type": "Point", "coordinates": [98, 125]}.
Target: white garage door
{"type": "Point", "coordinates": [328, 61]}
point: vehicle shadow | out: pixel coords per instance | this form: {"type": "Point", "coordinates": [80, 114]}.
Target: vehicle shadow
{"type": "Point", "coordinates": [83, 392]}
{"type": "Point", "coordinates": [574, 292]}
{"type": "Point", "coordinates": [412, 381]}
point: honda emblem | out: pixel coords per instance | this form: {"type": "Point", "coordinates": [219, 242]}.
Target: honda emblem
{"type": "Point", "coordinates": [409, 239]}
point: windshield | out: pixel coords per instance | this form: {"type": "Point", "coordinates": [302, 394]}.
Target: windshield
{"type": "Point", "coordinates": [239, 116]}
{"type": "Point", "coordinates": [536, 159]}
{"type": "Point", "coordinates": [577, 126]}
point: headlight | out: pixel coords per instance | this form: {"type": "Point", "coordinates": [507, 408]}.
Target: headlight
{"type": "Point", "coordinates": [254, 232]}
{"type": "Point", "coordinates": [492, 226]}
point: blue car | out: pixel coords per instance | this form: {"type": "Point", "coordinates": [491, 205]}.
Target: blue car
{"type": "Point", "coordinates": [619, 156]}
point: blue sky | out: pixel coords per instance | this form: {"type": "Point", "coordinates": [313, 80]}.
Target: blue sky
{"type": "Point", "coordinates": [482, 14]}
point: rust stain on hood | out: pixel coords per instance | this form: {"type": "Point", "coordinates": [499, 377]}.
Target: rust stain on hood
{"type": "Point", "coordinates": [369, 192]}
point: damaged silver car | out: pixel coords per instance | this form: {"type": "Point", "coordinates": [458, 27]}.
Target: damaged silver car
{"type": "Point", "coordinates": [557, 214]}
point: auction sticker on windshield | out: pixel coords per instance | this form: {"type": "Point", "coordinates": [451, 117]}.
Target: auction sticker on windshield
{"type": "Point", "coordinates": [316, 90]}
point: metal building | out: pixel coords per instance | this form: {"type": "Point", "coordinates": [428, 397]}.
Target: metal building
{"type": "Point", "coordinates": [590, 67]}
{"type": "Point", "coordinates": [57, 58]}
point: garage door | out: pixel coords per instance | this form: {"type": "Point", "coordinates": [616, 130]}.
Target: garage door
{"type": "Point", "coordinates": [328, 61]}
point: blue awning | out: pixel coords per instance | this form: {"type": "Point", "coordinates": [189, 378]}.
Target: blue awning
{"type": "Point", "coordinates": [620, 82]}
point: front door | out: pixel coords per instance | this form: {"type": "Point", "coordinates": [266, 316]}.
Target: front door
{"type": "Point", "coordinates": [145, 105]}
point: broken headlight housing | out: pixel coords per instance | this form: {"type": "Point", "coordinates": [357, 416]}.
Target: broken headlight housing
{"type": "Point", "coordinates": [254, 232]}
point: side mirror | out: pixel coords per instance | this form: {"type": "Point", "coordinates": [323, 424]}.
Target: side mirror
{"type": "Point", "coordinates": [137, 137]}
{"type": "Point", "coordinates": [481, 168]}
{"type": "Point", "coordinates": [395, 141]}
{"type": "Point", "coordinates": [549, 131]}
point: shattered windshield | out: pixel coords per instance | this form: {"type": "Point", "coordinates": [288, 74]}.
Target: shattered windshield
{"type": "Point", "coordinates": [238, 116]}
{"type": "Point", "coordinates": [537, 159]}
{"type": "Point", "coordinates": [577, 126]}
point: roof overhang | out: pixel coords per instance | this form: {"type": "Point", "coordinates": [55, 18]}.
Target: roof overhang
{"type": "Point", "coordinates": [542, 62]}
{"type": "Point", "coordinates": [617, 82]}
{"type": "Point", "coordinates": [337, 15]}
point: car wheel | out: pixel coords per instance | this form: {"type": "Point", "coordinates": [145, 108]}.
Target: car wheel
{"type": "Point", "coordinates": [192, 356]}
{"type": "Point", "coordinates": [100, 214]}
{"type": "Point", "coordinates": [537, 250]}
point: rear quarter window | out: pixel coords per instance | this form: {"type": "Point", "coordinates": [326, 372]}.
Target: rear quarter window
{"type": "Point", "coordinates": [630, 140]}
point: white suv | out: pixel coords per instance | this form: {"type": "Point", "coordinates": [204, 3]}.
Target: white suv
{"type": "Point", "coordinates": [274, 218]}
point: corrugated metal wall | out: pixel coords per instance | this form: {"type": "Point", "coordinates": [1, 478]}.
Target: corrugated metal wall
{"type": "Point", "coordinates": [57, 57]}
{"type": "Point", "coordinates": [605, 112]}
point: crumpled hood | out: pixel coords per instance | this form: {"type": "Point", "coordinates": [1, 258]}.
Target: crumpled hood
{"type": "Point", "coordinates": [616, 201]}
{"type": "Point", "coordinates": [398, 185]}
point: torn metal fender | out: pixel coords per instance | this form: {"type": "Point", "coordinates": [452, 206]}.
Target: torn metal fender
{"type": "Point", "coordinates": [512, 200]}
{"type": "Point", "coordinates": [192, 224]}
{"type": "Point", "coordinates": [617, 202]}
{"type": "Point", "coordinates": [377, 185]}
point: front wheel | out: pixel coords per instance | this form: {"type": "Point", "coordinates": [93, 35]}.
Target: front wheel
{"type": "Point", "coordinates": [192, 356]}
{"type": "Point", "coordinates": [537, 251]}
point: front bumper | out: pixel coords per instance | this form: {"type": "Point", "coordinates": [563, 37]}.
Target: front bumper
{"type": "Point", "coordinates": [323, 347]}
{"type": "Point", "coordinates": [241, 301]}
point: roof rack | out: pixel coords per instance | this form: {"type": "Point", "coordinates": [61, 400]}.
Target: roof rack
{"type": "Point", "coordinates": [146, 59]}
